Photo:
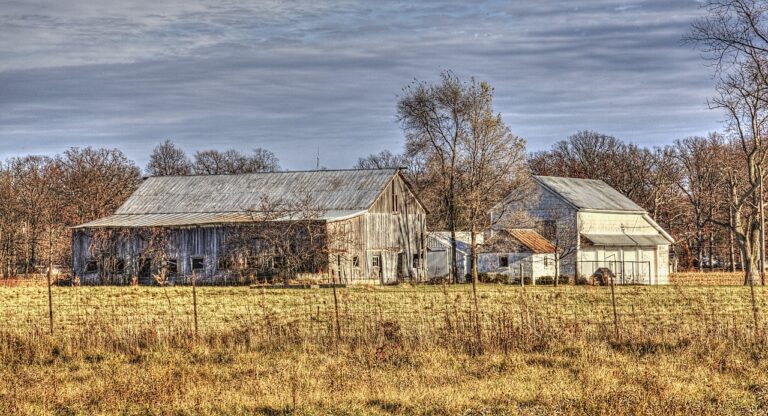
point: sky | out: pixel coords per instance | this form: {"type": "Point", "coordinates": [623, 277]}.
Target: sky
{"type": "Point", "coordinates": [296, 76]}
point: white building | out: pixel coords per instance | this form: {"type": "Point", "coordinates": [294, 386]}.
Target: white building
{"type": "Point", "coordinates": [439, 254]}
{"type": "Point", "coordinates": [594, 226]}
{"type": "Point", "coordinates": [516, 253]}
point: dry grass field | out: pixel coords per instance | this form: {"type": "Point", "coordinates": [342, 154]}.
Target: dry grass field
{"type": "Point", "coordinates": [392, 350]}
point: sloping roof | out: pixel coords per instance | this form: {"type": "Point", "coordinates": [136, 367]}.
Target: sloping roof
{"type": "Point", "coordinates": [202, 218]}
{"type": "Point", "coordinates": [589, 194]}
{"type": "Point", "coordinates": [533, 240]}
{"type": "Point", "coordinates": [439, 241]}
{"type": "Point", "coordinates": [517, 240]}
{"type": "Point", "coordinates": [212, 199]}
{"type": "Point", "coordinates": [644, 240]}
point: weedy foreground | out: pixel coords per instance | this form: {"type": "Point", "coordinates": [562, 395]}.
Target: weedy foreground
{"type": "Point", "coordinates": [392, 350]}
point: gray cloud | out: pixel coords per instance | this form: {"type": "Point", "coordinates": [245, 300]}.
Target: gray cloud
{"type": "Point", "coordinates": [294, 76]}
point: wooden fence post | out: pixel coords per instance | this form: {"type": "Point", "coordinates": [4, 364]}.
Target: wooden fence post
{"type": "Point", "coordinates": [50, 300]}
{"type": "Point", "coordinates": [194, 300]}
{"type": "Point", "coordinates": [615, 313]}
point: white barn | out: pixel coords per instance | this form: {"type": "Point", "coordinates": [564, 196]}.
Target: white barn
{"type": "Point", "coordinates": [595, 226]}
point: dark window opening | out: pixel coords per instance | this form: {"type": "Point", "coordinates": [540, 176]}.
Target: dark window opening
{"type": "Point", "coordinates": [172, 267]}
{"type": "Point", "coordinates": [416, 260]}
{"type": "Point", "coordinates": [394, 201]}
{"type": "Point", "coordinates": [198, 263]}
{"type": "Point", "coordinates": [120, 266]}
{"type": "Point", "coordinates": [145, 267]}
{"type": "Point", "coordinates": [355, 261]}
{"type": "Point", "coordinates": [376, 261]}
{"type": "Point", "coordinates": [549, 229]}
{"type": "Point", "coordinates": [546, 261]}
{"type": "Point", "coordinates": [503, 261]}
{"type": "Point", "coordinates": [278, 261]}
{"type": "Point", "coordinates": [223, 263]}
{"type": "Point", "coordinates": [91, 266]}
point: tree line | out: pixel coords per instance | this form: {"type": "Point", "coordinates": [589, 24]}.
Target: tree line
{"type": "Point", "coordinates": [43, 196]}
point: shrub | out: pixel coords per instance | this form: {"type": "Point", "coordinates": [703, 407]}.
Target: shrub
{"type": "Point", "coordinates": [526, 281]}
{"type": "Point", "coordinates": [491, 278]}
{"type": "Point", "coordinates": [581, 280]}
{"type": "Point", "coordinates": [545, 280]}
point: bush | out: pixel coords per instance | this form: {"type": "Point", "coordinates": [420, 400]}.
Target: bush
{"type": "Point", "coordinates": [545, 280]}
{"type": "Point", "coordinates": [581, 280]}
{"type": "Point", "coordinates": [492, 278]}
{"type": "Point", "coordinates": [526, 281]}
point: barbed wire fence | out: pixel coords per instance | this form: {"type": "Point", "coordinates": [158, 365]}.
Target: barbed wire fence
{"type": "Point", "coordinates": [507, 316]}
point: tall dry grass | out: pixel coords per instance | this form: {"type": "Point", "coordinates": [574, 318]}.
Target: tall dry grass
{"type": "Point", "coordinates": [400, 350]}
{"type": "Point", "coordinates": [714, 278]}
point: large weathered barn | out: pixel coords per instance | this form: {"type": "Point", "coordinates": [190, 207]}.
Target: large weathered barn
{"type": "Point", "coordinates": [350, 226]}
{"type": "Point", "coordinates": [595, 226]}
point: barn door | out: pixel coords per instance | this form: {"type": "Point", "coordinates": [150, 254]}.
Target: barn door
{"type": "Point", "coordinates": [401, 266]}
{"type": "Point", "coordinates": [376, 268]}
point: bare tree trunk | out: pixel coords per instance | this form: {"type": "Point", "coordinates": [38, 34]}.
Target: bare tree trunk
{"type": "Point", "coordinates": [762, 224]}
{"type": "Point", "coordinates": [48, 278]}
{"type": "Point", "coordinates": [473, 257]}
{"type": "Point", "coordinates": [731, 253]}
{"type": "Point", "coordinates": [454, 260]}
{"type": "Point", "coordinates": [711, 251]}
{"type": "Point", "coordinates": [700, 247]}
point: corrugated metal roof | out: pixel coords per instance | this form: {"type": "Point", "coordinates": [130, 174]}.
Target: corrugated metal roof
{"type": "Point", "coordinates": [438, 241]}
{"type": "Point", "coordinates": [589, 194]}
{"type": "Point", "coordinates": [533, 240]}
{"type": "Point", "coordinates": [329, 190]}
{"type": "Point", "coordinates": [645, 240]}
{"type": "Point", "coordinates": [213, 199]}
{"type": "Point", "coordinates": [193, 219]}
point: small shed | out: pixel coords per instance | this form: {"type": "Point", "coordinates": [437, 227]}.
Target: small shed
{"type": "Point", "coordinates": [439, 254]}
{"type": "Point", "coordinates": [516, 253]}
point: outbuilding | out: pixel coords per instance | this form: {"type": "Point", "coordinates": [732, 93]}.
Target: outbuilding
{"type": "Point", "coordinates": [518, 253]}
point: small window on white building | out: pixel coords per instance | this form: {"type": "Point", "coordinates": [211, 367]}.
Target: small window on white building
{"type": "Point", "coordinates": [355, 261]}
{"type": "Point", "coordinates": [503, 261]}
{"type": "Point", "coordinates": [546, 261]}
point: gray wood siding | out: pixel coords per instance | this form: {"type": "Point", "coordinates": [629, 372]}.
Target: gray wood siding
{"type": "Point", "coordinates": [385, 232]}
{"type": "Point", "coordinates": [396, 234]}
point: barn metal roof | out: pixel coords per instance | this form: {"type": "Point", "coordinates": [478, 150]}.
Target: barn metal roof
{"type": "Point", "coordinates": [644, 240]}
{"type": "Point", "coordinates": [533, 240]}
{"type": "Point", "coordinates": [198, 219]}
{"type": "Point", "coordinates": [589, 194]}
{"type": "Point", "coordinates": [212, 199]}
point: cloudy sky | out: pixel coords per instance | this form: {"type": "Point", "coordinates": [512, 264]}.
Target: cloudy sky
{"type": "Point", "coordinates": [291, 76]}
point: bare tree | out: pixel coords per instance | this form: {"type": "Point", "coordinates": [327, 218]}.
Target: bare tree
{"type": "Point", "coordinates": [491, 166]}
{"type": "Point", "coordinates": [739, 94]}
{"type": "Point", "coordinates": [167, 160]}
{"type": "Point", "coordinates": [435, 118]}
{"type": "Point", "coordinates": [382, 160]}
{"type": "Point", "coordinates": [215, 162]}
{"type": "Point", "coordinates": [699, 181]}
